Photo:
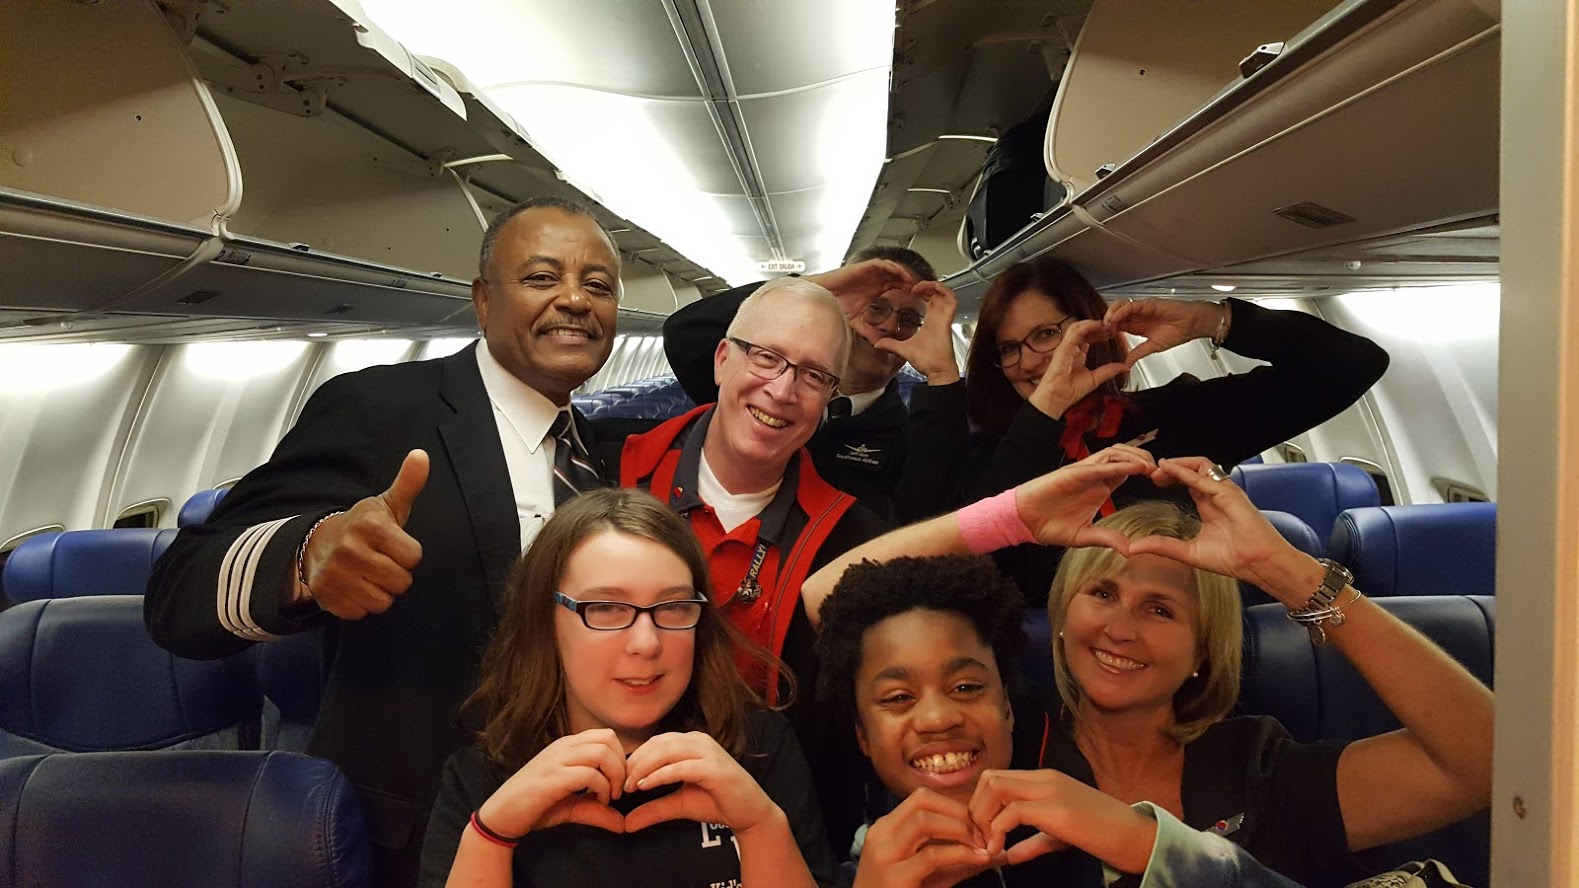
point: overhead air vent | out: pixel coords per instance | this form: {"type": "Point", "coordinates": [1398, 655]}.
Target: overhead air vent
{"type": "Point", "coordinates": [1313, 215]}
{"type": "Point", "coordinates": [1453, 491]}
{"type": "Point", "coordinates": [197, 297]}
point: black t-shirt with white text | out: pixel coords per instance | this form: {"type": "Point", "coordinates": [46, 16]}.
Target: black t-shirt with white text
{"type": "Point", "coordinates": [676, 854]}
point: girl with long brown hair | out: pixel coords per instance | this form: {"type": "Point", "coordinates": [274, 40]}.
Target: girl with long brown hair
{"type": "Point", "coordinates": [621, 744]}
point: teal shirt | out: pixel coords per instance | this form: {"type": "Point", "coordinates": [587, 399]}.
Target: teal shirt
{"type": "Point", "coordinates": [1185, 858]}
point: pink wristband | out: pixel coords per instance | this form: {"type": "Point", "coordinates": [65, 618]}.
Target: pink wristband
{"type": "Point", "coordinates": [992, 524]}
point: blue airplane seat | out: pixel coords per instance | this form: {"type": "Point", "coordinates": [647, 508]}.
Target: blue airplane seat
{"type": "Point", "coordinates": [1253, 461]}
{"type": "Point", "coordinates": [1438, 549]}
{"type": "Point", "coordinates": [82, 675]}
{"type": "Point", "coordinates": [1317, 694]}
{"type": "Point", "coordinates": [72, 563]}
{"type": "Point", "coordinates": [1313, 492]}
{"type": "Point", "coordinates": [290, 674]}
{"type": "Point", "coordinates": [137, 820]}
{"type": "Point", "coordinates": [199, 506]}
{"type": "Point", "coordinates": [1296, 532]}
{"type": "Point", "coordinates": [1036, 664]}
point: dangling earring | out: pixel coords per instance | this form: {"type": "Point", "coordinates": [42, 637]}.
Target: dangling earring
{"type": "Point", "coordinates": [1195, 674]}
{"type": "Point", "coordinates": [1060, 635]}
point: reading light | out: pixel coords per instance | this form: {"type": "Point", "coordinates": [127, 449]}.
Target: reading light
{"type": "Point", "coordinates": [1224, 288]}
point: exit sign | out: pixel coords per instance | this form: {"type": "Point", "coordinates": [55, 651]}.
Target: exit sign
{"type": "Point", "coordinates": [781, 266]}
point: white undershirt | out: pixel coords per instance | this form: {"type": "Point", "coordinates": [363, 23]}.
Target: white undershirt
{"type": "Point", "coordinates": [732, 509]}
{"type": "Point", "coordinates": [523, 416]}
{"type": "Point", "coordinates": [859, 403]}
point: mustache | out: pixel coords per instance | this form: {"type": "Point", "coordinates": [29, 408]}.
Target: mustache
{"type": "Point", "coordinates": [572, 323]}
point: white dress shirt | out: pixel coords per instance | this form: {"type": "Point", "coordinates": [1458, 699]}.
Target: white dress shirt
{"type": "Point", "coordinates": [523, 416]}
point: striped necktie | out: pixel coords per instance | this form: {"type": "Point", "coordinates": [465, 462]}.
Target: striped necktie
{"type": "Point", "coordinates": [573, 471]}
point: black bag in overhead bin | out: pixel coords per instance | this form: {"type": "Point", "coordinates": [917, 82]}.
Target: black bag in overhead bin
{"type": "Point", "coordinates": [1013, 187]}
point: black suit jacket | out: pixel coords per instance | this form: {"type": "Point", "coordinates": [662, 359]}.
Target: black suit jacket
{"type": "Point", "coordinates": [391, 682]}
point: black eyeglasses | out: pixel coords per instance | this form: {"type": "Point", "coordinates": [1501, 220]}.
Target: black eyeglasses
{"type": "Point", "coordinates": [879, 310]}
{"type": "Point", "coordinates": [1042, 340]}
{"type": "Point", "coordinates": [612, 616]}
{"type": "Point", "coordinates": [768, 364]}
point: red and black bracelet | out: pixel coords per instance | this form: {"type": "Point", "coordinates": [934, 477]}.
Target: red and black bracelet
{"type": "Point", "coordinates": [490, 835]}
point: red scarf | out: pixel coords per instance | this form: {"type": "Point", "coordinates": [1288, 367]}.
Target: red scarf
{"type": "Point", "coordinates": [1101, 412]}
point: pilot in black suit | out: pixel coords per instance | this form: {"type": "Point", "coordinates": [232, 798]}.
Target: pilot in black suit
{"type": "Point", "coordinates": [401, 557]}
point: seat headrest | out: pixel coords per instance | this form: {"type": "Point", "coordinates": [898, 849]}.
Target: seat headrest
{"type": "Point", "coordinates": [1298, 534]}
{"type": "Point", "coordinates": [133, 819]}
{"type": "Point", "coordinates": [81, 674]}
{"type": "Point", "coordinates": [1313, 492]}
{"type": "Point", "coordinates": [199, 506]}
{"type": "Point", "coordinates": [70, 563]}
{"type": "Point", "coordinates": [1316, 693]}
{"type": "Point", "coordinates": [1440, 549]}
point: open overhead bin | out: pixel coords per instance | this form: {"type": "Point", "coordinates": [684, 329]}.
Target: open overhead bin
{"type": "Point", "coordinates": [275, 160]}
{"type": "Point", "coordinates": [1377, 119]}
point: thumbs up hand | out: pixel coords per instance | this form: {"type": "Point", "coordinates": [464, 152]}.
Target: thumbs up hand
{"type": "Point", "coordinates": [358, 561]}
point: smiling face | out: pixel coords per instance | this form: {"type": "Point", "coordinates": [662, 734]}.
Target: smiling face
{"type": "Point", "coordinates": [550, 299]}
{"type": "Point", "coordinates": [760, 423]}
{"type": "Point", "coordinates": [1030, 316]}
{"type": "Point", "coordinates": [1131, 640]}
{"type": "Point", "coordinates": [625, 679]}
{"type": "Point", "coordinates": [931, 709]}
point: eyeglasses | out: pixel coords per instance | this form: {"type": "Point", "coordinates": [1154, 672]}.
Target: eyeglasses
{"type": "Point", "coordinates": [1042, 340]}
{"type": "Point", "coordinates": [612, 616]}
{"type": "Point", "coordinates": [879, 310]}
{"type": "Point", "coordinates": [768, 364]}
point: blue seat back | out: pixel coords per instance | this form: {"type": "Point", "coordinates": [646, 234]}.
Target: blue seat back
{"type": "Point", "coordinates": [199, 506]}
{"type": "Point", "coordinates": [1313, 492]}
{"type": "Point", "coordinates": [1299, 534]}
{"type": "Point", "coordinates": [1317, 694]}
{"type": "Point", "coordinates": [82, 675]}
{"type": "Point", "coordinates": [1036, 664]}
{"type": "Point", "coordinates": [1442, 549]}
{"type": "Point", "coordinates": [129, 820]}
{"type": "Point", "coordinates": [70, 563]}
{"type": "Point", "coordinates": [290, 674]}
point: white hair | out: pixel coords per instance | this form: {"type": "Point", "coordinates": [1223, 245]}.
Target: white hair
{"type": "Point", "coordinates": [804, 290]}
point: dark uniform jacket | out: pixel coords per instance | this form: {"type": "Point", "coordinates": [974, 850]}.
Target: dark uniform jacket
{"type": "Point", "coordinates": [391, 682]}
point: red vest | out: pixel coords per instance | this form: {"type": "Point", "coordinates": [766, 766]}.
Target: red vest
{"type": "Point", "coordinates": [649, 461]}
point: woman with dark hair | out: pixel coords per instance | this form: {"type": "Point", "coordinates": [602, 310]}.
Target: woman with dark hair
{"type": "Point", "coordinates": [1048, 368]}
{"type": "Point", "coordinates": [621, 745]}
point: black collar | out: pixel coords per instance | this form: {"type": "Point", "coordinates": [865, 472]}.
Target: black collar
{"type": "Point", "coordinates": [683, 494]}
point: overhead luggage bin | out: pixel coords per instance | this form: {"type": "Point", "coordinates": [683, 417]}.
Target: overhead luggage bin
{"type": "Point", "coordinates": [1388, 108]}
{"type": "Point", "coordinates": [102, 107]}
{"type": "Point", "coordinates": [125, 132]}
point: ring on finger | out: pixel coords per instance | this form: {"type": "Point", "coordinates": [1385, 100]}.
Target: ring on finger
{"type": "Point", "coordinates": [1216, 473]}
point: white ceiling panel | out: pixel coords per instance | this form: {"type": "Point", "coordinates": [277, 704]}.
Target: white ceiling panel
{"type": "Point", "coordinates": [690, 118]}
{"type": "Point", "coordinates": [778, 46]}
{"type": "Point", "coordinates": [615, 45]}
